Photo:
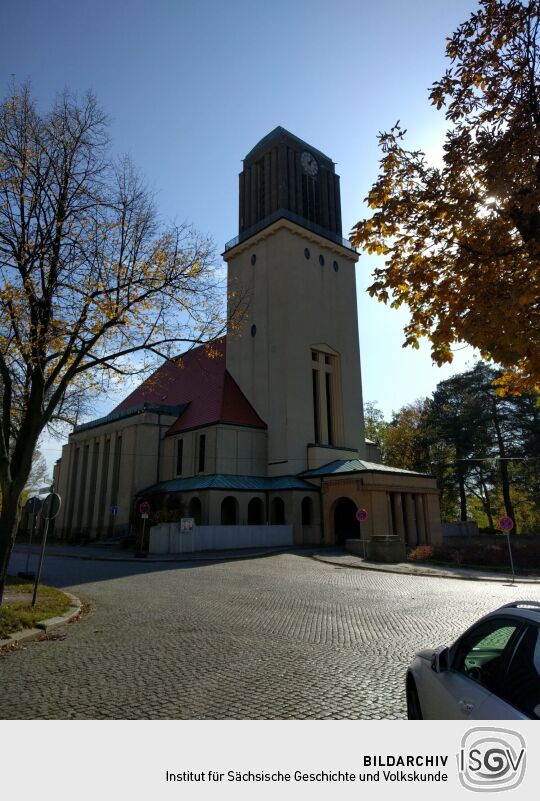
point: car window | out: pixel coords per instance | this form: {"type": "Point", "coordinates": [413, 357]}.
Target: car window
{"type": "Point", "coordinates": [521, 685]}
{"type": "Point", "coordinates": [481, 653]}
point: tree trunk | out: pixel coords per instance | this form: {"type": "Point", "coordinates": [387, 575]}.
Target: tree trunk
{"type": "Point", "coordinates": [461, 483]}
{"type": "Point", "coordinates": [487, 506]}
{"type": "Point", "coordinates": [9, 521]}
{"type": "Point", "coordinates": [505, 478]}
{"type": "Point", "coordinates": [505, 482]}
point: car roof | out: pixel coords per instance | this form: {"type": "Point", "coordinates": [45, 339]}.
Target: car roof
{"type": "Point", "coordinates": [529, 610]}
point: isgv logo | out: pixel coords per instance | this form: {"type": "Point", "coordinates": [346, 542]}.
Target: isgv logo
{"type": "Point", "coordinates": [491, 760]}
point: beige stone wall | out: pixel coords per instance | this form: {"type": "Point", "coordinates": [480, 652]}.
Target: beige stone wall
{"type": "Point", "coordinates": [233, 450]}
{"type": "Point", "coordinates": [296, 305]}
{"type": "Point", "coordinates": [241, 451]}
{"type": "Point", "coordinates": [318, 456]}
{"type": "Point", "coordinates": [103, 466]}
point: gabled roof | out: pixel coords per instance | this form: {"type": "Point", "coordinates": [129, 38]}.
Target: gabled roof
{"type": "Point", "coordinates": [356, 466]}
{"type": "Point", "coordinates": [199, 381]}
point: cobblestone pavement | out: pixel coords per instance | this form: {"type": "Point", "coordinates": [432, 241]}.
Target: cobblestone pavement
{"type": "Point", "coordinates": [278, 637]}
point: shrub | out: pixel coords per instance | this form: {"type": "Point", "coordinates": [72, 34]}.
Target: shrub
{"type": "Point", "coordinates": [526, 555]}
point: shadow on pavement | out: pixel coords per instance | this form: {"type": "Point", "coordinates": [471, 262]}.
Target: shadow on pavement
{"type": "Point", "coordinates": [70, 566]}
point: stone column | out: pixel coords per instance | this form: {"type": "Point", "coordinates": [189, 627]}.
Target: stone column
{"type": "Point", "coordinates": [389, 513]}
{"type": "Point", "coordinates": [412, 534]}
{"type": "Point", "coordinates": [398, 516]}
{"type": "Point", "coordinates": [420, 521]}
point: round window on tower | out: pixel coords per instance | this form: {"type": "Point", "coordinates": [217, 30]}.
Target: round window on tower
{"type": "Point", "coordinates": [307, 254]}
{"type": "Point", "coordinates": [253, 259]}
{"type": "Point", "coordinates": [321, 260]}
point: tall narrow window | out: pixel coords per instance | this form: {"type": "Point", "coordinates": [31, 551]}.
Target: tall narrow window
{"type": "Point", "coordinates": [326, 398]}
{"type": "Point", "coordinates": [315, 375]}
{"type": "Point", "coordinates": [179, 456]}
{"type": "Point", "coordinates": [202, 449]}
{"type": "Point", "coordinates": [329, 409]}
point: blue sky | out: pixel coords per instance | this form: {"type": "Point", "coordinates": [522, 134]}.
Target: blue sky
{"type": "Point", "coordinates": [190, 87]}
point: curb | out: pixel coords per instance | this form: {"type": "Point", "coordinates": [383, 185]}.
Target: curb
{"type": "Point", "coordinates": [44, 626]}
{"type": "Point", "coordinates": [157, 560]}
{"type": "Point", "coordinates": [503, 578]}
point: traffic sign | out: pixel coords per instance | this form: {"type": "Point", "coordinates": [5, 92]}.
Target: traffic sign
{"type": "Point", "coordinates": [506, 523]}
{"type": "Point", "coordinates": [33, 504]}
{"type": "Point", "coordinates": [361, 515]}
{"type": "Point", "coordinates": [144, 508]}
{"type": "Point", "coordinates": [114, 510]}
{"type": "Point", "coordinates": [51, 506]}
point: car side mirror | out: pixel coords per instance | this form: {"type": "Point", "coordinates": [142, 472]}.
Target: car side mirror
{"type": "Point", "coordinates": [440, 660]}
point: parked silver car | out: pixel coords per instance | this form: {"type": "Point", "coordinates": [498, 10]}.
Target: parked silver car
{"type": "Point", "coordinates": [492, 672]}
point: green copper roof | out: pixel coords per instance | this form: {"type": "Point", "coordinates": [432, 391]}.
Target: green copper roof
{"type": "Point", "coordinates": [220, 481]}
{"type": "Point", "coordinates": [278, 132]}
{"type": "Point", "coordinates": [356, 466]}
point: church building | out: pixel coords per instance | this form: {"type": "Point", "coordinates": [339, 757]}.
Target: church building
{"type": "Point", "coordinates": [264, 426]}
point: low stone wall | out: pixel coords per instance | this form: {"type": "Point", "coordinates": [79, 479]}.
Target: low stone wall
{"type": "Point", "coordinates": [380, 549]}
{"type": "Point", "coordinates": [461, 529]}
{"type": "Point", "coordinates": [167, 538]}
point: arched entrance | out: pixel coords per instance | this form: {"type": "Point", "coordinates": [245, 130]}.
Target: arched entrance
{"type": "Point", "coordinates": [255, 512]}
{"type": "Point", "coordinates": [278, 512]}
{"type": "Point", "coordinates": [307, 511]}
{"type": "Point", "coordinates": [229, 511]}
{"type": "Point", "coordinates": [346, 526]}
{"type": "Point", "coordinates": [195, 510]}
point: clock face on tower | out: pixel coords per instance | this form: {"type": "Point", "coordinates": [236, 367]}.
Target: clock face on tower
{"type": "Point", "coordinates": [309, 163]}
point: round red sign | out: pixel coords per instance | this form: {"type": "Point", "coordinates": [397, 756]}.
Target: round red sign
{"type": "Point", "coordinates": [361, 515]}
{"type": "Point", "coordinates": [506, 523]}
{"type": "Point", "coordinates": [144, 507]}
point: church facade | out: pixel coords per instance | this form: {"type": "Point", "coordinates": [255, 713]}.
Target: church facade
{"type": "Point", "coordinates": [265, 425]}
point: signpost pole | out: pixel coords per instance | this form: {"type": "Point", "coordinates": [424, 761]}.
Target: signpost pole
{"type": "Point", "coordinates": [506, 524]}
{"type": "Point", "coordinates": [49, 510]}
{"type": "Point", "coordinates": [144, 510]}
{"type": "Point", "coordinates": [362, 516]}
{"type": "Point", "coordinates": [511, 559]}
{"type": "Point", "coordinates": [363, 539]}
{"type": "Point", "coordinates": [31, 531]}
{"type": "Point", "coordinates": [40, 563]}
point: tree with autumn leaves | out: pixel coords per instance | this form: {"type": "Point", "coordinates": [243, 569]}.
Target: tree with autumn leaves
{"type": "Point", "coordinates": [461, 242]}
{"type": "Point", "coordinates": [91, 284]}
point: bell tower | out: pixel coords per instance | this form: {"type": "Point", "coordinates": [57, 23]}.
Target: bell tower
{"type": "Point", "coordinates": [296, 353]}
{"type": "Point", "coordinates": [283, 173]}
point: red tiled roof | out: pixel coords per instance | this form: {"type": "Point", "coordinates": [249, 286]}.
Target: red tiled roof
{"type": "Point", "coordinates": [200, 379]}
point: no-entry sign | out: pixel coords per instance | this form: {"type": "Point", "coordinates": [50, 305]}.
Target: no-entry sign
{"type": "Point", "coordinates": [144, 508]}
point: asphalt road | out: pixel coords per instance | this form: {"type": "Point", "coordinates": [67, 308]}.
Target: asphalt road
{"type": "Point", "coordinates": [275, 637]}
